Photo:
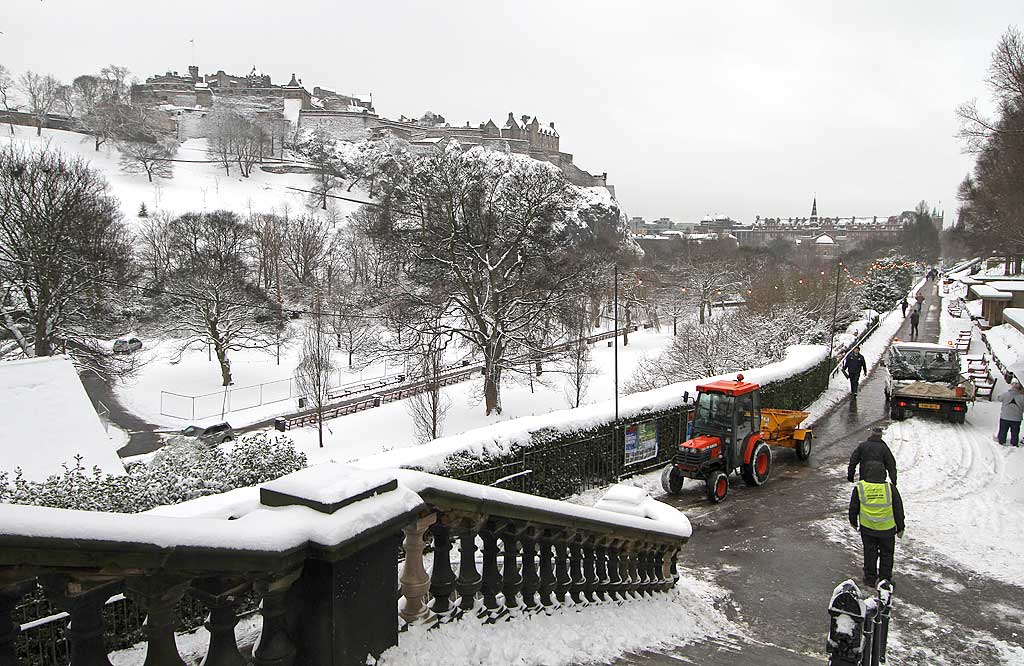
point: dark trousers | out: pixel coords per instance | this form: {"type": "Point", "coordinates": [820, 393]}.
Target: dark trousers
{"type": "Point", "coordinates": [1013, 427]}
{"type": "Point", "coordinates": [854, 382]}
{"type": "Point", "coordinates": [878, 554]}
{"type": "Point", "coordinates": [913, 328]}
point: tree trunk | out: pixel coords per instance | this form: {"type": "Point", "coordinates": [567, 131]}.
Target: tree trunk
{"type": "Point", "coordinates": [39, 127]}
{"type": "Point", "coordinates": [320, 425]}
{"type": "Point", "coordinates": [625, 331]}
{"type": "Point", "coordinates": [225, 364]}
{"type": "Point", "coordinates": [149, 174]}
{"type": "Point", "coordinates": [673, 326]}
{"type": "Point", "coordinates": [702, 311]}
{"type": "Point", "coordinates": [492, 387]}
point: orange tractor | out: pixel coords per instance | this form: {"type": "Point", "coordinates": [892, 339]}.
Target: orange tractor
{"type": "Point", "coordinates": [730, 432]}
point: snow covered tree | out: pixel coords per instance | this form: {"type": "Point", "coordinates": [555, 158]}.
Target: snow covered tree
{"type": "Point", "coordinates": [356, 331]}
{"type": "Point", "coordinates": [333, 167]}
{"type": "Point", "coordinates": [579, 373]}
{"type": "Point", "coordinates": [490, 247]}
{"type": "Point", "coordinates": [63, 248]}
{"type": "Point", "coordinates": [210, 298]}
{"type": "Point", "coordinates": [235, 138]}
{"type": "Point", "coordinates": [313, 374]}
{"type": "Point", "coordinates": [152, 158]}
{"type": "Point", "coordinates": [41, 92]}
{"type": "Point", "coordinates": [102, 104]}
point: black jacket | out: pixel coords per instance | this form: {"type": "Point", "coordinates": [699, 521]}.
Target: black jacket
{"type": "Point", "coordinates": [854, 364]}
{"type": "Point", "coordinates": [873, 449]}
{"type": "Point", "coordinates": [897, 514]}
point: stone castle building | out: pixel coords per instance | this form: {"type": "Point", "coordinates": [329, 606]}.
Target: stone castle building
{"type": "Point", "coordinates": [187, 99]}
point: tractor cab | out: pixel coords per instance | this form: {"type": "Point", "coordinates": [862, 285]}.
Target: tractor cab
{"type": "Point", "coordinates": [729, 411]}
{"type": "Point", "coordinates": [725, 436]}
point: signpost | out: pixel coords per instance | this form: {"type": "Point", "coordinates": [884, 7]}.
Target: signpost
{"type": "Point", "coordinates": [641, 442]}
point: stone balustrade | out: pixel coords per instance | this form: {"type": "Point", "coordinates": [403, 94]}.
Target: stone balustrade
{"type": "Point", "coordinates": [321, 549]}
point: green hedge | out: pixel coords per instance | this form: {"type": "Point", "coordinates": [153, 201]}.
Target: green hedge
{"type": "Point", "coordinates": [557, 465]}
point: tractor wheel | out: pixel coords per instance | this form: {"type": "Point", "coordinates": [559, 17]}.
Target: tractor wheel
{"type": "Point", "coordinates": [671, 480]}
{"type": "Point", "coordinates": [717, 486]}
{"type": "Point", "coordinates": [803, 448]}
{"type": "Point", "coordinates": [756, 472]}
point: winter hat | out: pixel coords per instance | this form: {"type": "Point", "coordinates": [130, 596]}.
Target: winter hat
{"type": "Point", "coordinates": [876, 431]}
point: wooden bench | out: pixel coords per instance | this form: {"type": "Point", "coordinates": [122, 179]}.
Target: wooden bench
{"type": "Point", "coordinates": [984, 385]}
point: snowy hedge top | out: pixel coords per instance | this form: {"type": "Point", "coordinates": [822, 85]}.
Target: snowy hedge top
{"type": "Point", "coordinates": [500, 438]}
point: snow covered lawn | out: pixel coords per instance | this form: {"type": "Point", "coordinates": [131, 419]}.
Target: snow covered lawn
{"type": "Point", "coordinates": [196, 186]}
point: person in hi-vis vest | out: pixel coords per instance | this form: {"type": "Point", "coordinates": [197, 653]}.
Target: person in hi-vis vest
{"type": "Point", "coordinates": [877, 508]}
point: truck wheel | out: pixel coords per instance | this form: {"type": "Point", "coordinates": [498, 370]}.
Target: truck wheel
{"type": "Point", "coordinates": [756, 472]}
{"type": "Point", "coordinates": [896, 414]}
{"type": "Point", "coordinates": [717, 486]}
{"type": "Point", "coordinates": [803, 447]}
{"type": "Point", "coordinates": [671, 480]}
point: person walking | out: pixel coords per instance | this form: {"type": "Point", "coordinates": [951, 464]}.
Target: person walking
{"type": "Point", "coordinates": [915, 319]}
{"type": "Point", "coordinates": [1010, 413]}
{"type": "Point", "coordinates": [876, 509]}
{"type": "Point", "coordinates": [853, 366]}
{"type": "Point", "coordinates": [873, 450]}
{"type": "Point", "coordinates": [904, 305]}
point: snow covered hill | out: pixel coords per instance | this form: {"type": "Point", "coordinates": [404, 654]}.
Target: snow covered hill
{"type": "Point", "coordinates": [197, 184]}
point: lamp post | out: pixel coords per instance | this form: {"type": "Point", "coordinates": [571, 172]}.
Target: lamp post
{"type": "Point", "coordinates": [615, 301]}
{"type": "Point", "coordinates": [832, 335]}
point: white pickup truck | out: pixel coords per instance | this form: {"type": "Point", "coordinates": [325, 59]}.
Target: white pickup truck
{"type": "Point", "coordinates": [926, 377]}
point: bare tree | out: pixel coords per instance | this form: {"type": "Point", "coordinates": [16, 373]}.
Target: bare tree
{"type": "Point", "coordinates": [154, 247]}
{"type": "Point", "coordinates": [269, 233]}
{"type": "Point", "coordinates": [706, 279]}
{"type": "Point", "coordinates": [210, 298]}
{"type": "Point", "coordinates": [313, 374]}
{"type": "Point", "coordinates": [306, 244]}
{"type": "Point", "coordinates": [6, 88]}
{"type": "Point", "coordinates": [62, 247]}
{"type": "Point", "coordinates": [152, 158]}
{"type": "Point", "coordinates": [429, 407]}
{"type": "Point", "coordinates": [102, 104]}
{"type": "Point", "coordinates": [356, 332]}
{"type": "Point", "coordinates": [580, 370]}
{"type": "Point", "coordinates": [41, 92]}
{"type": "Point", "coordinates": [235, 138]}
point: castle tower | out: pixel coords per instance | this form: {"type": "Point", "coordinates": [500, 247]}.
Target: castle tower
{"type": "Point", "coordinates": [814, 210]}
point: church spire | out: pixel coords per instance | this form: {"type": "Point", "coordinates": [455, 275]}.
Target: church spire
{"type": "Point", "coordinates": [814, 209]}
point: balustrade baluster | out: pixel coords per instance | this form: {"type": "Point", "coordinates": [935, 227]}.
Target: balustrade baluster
{"type": "Point", "coordinates": [652, 570]}
{"type": "Point", "coordinates": [469, 580]}
{"type": "Point", "coordinates": [547, 572]}
{"type": "Point", "coordinates": [414, 579]}
{"type": "Point", "coordinates": [576, 571]}
{"type": "Point", "coordinates": [589, 571]}
{"type": "Point", "coordinates": [442, 578]}
{"type": "Point", "coordinates": [491, 583]}
{"type": "Point", "coordinates": [673, 567]}
{"type": "Point", "coordinates": [512, 581]}
{"type": "Point", "coordinates": [221, 597]}
{"type": "Point", "coordinates": [601, 568]}
{"type": "Point", "coordinates": [563, 579]}
{"type": "Point", "coordinates": [614, 577]}
{"type": "Point", "coordinates": [531, 579]}
{"type": "Point", "coordinates": [274, 647]}
{"type": "Point", "coordinates": [658, 569]}
{"type": "Point", "coordinates": [10, 596]}
{"type": "Point", "coordinates": [630, 576]}
{"type": "Point", "coordinates": [159, 595]}
{"type": "Point", "coordinates": [85, 608]}
{"type": "Point", "coordinates": [642, 567]}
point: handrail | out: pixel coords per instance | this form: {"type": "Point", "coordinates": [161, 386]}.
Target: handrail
{"type": "Point", "coordinates": [864, 336]}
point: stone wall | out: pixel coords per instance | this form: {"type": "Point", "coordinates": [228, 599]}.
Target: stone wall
{"type": "Point", "coordinates": [345, 125]}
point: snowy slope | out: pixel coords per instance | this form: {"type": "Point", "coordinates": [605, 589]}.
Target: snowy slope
{"type": "Point", "coordinates": [48, 419]}
{"type": "Point", "coordinates": [196, 185]}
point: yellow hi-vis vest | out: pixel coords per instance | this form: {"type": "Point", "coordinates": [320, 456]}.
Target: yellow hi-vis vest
{"type": "Point", "coordinates": [876, 506]}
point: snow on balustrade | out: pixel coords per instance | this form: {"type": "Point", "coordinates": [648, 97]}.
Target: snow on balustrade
{"type": "Point", "coordinates": [331, 534]}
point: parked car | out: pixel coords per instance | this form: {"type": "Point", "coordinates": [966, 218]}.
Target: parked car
{"type": "Point", "coordinates": [127, 345]}
{"type": "Point", "coordinates": [215, 434]}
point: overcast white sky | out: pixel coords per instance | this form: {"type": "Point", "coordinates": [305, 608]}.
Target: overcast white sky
{"type": "Point", "coordinates": [741, 108]}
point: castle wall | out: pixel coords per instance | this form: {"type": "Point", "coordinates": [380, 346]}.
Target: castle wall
{"type": "Point", "coordinates": [345, 125]}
